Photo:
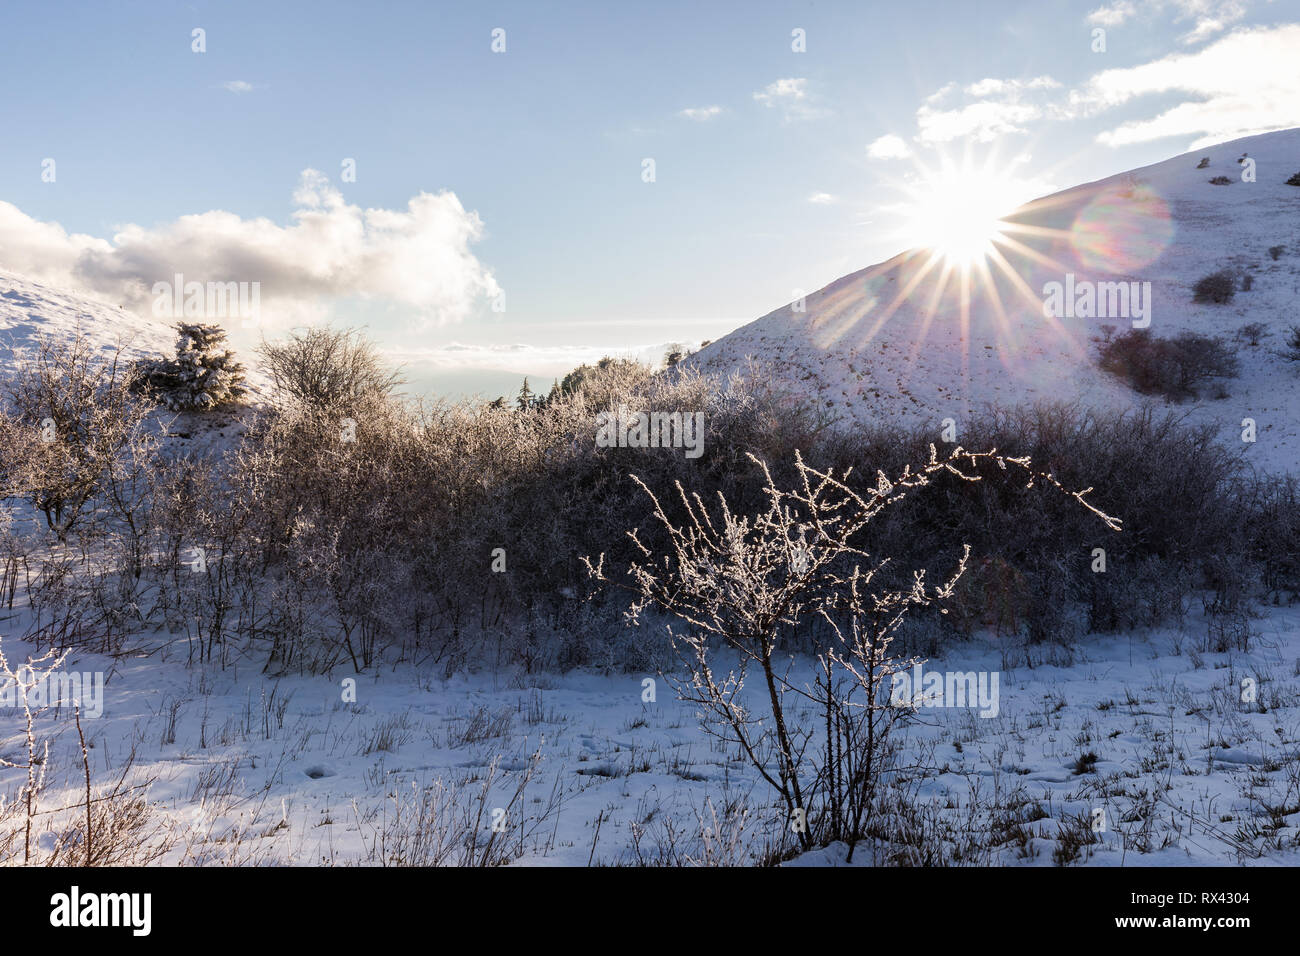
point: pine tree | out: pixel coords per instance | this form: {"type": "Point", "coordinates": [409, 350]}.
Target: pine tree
{"type": "Point", "coordinates": [204, 375]}
{"type": "Point", "coordinates": [526, 398]}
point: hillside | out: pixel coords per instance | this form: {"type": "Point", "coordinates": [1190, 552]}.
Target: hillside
{"type": "Point", "coordinates": [30, 310]}
{"type": "Point", "coordinates": [889, 343]}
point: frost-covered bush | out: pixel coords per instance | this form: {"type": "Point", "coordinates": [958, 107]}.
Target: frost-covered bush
{"type": "Point", "coordinates": [1252, 332]}
{"type": "Point", "coordinates": [74, 436]}
{"type": "Point", "coordinates": [456, 528]}
{"type": "Point", "coordinates": [603, 382]}
{"type": "Point", "coordinates": [1272, 534]}
{"type": "Point", "coordinates": [327, 369]}
{"type": "Point", "coordinates": [750, 582]}
{"type": "Point", "coordinates": [202, 376]}
{"type": "Point", "coordinates": [452, 532]}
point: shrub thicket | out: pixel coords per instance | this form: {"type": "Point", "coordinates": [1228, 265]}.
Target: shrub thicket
{"type": "Point", "coordinates": [1173, 367]}
{"type": "Point", "coordinates": [1216, 287]}
{"type": "Point", "coordinates": [455, 532]}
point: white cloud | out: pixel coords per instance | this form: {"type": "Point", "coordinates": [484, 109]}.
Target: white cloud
{"type": "Point", "coordinates": [1010, 88]}
{"type": "Point", "coordinates": [418, 258]}
{"type": "Point", "coordinates": [1112, 15]}
{"type": "Point", "coordinates": [889, 146]}
{"type": "Point", "coordinates": [788, 90]}
{"type": "Point", "coordinates": [941, 93]}
{"type": "Point", "coordinates": [44, 251]}
{"type": "Point", "coordinates": [1243, 83]}
{"type": "Point", "coordinates": [1237, 85]}
{"type": "Point", "coordinates": [701, 113]}
{"type": "Point", "coordinates": [1003, 106]}
{"type": "Point", "coordinates": [1205, 28]}
{"type": "Point", "coordinates": [1209, 17]}
{"type": "Point", "coordinates": [822, 199]}
{"type": "Point", "coordinates": [983, 121]}
{"type": "Point", "coordinates": [790, 95]}
{"type": "Point", "coordinates": [238, 86]}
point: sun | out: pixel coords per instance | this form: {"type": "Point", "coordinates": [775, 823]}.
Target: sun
{"type": "Point", "coordinates": [969, 233]}
{"type": "Point", "coordinates": [956, 211]}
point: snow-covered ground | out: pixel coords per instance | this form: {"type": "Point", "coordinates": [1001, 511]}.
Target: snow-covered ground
{"type": "Point", "coordinates": [249, 769]}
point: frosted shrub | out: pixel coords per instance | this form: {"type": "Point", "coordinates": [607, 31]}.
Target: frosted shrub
{"type": "Point", "coordinates": [327, 369]}
{"type": "Point", "coordinates": [748, 582]}
{"type": "Point", "coordinates": [71, 429]}
{"type": "Point", "coordinates": [1136, 462]}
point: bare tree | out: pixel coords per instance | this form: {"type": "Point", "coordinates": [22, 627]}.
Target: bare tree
{"type": "Point", "coordinates": [328, 369]}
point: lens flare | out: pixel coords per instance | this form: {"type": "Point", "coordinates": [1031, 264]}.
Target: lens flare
{"type": "Point", "coordinates": [1123, 229]}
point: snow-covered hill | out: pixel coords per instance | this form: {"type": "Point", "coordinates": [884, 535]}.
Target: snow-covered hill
{"type": "Point", "coordinates": [29, 310]}
{"type": "Point", "coordinates": [889, 343]}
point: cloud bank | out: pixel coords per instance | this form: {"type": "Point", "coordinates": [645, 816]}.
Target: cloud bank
{"type": "Point", "coordinates": [1208, 17]}
{"type": "Point", "coordinates": [1242, 83]}
{"type": "Point", "coordinates": [418, 259]}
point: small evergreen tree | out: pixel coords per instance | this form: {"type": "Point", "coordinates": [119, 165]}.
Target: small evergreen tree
{"type": "Point", "coordinates": [526, 399]}
{"type": "Point", "coordinates": [552, 396]}
{"type": "Point", "coordinates": [204, 375]}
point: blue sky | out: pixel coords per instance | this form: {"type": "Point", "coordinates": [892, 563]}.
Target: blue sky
{"type": "Point", "coordinates": [775, 170]}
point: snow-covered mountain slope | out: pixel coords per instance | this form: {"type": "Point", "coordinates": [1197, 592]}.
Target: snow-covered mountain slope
{"type": "Point", "coordinates": [893, 343]}
{"type": "Point", "coordinates": [29, 310]}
